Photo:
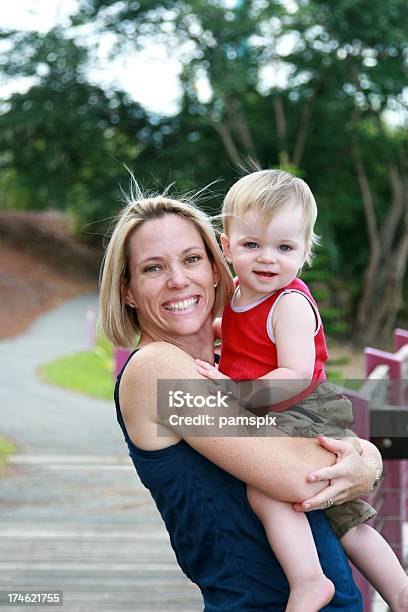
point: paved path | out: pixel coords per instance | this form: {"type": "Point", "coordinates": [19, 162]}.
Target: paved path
{"type": "Point", "coordinates": [43, 418]}
{"type": "Point", "coordinates": [74, 516]}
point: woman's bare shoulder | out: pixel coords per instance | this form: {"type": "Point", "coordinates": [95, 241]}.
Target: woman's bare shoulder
{"type": "Point", "coordinates": [138, 394]}
{"type": "Point", "coordinates": [158, 360]}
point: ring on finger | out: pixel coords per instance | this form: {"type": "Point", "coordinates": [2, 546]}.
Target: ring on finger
{"type": "Point", "coordinates": [329, 503]}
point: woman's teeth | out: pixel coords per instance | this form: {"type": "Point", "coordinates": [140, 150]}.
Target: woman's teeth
{"type": "Point", "coordinates": [183, 305]}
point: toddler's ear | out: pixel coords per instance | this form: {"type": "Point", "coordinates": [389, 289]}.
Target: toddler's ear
{"type": "Point", "coordinates": [225, 243]}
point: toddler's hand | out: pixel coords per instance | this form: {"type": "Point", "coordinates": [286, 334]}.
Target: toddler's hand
{"type": "Point", "coordinates": [209, 371]}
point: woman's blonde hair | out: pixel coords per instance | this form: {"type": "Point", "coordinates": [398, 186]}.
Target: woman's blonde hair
{"type": "Point", "coordinates": [118, 321]}
{"type": "Point", "coordinates": [267, 190]}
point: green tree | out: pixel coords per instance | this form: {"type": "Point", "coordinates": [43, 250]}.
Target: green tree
{"type": "Point", "coordinates": [62, 144]}
{"type": "Point", "coordinates": [358, 51]}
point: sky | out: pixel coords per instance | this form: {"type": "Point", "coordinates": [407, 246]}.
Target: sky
{"type": "Point", "coordinates": [150, 76]}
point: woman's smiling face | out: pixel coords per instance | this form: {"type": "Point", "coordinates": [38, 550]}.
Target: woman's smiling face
{"type": "Point", "coordinates": [171, 279]}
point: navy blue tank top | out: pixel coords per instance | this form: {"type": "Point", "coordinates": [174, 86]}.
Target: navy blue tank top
{"type": "Point", "coordinates": [218, 540]}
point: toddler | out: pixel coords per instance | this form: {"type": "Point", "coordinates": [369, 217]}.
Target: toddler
{"type": "Point", "coordinates": [272, 330]}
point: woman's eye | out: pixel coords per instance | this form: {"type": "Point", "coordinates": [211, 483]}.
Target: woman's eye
{"type": "Point", "coordinates": [153, 268]}
{"type": "Point", "coordinates": [193, 259]}
{"type": "Point", "coordinates": [251, 245]}
{"type": "Point", "coordinates": [284, 248]}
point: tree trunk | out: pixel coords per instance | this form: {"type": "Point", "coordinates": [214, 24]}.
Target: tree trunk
{"type": "Point", "coordinates": [228, 141]}
{"type": "Point", "coordinates": [280, 121]}
{"type": "Point", "coordinates": [303, 126]}
{"type": "Point", "coordinates": [281, 129]}
{"type": "Point", "coordinates": [241, 127]}
{"type": "Point", "coordinates": [369, 283]}
{"type": "Point", "coordinates": [389, 296]}
{"type": "Point", "coordinates": [397, 303]}
{"type": "Point", "coordinates": [383, 281]}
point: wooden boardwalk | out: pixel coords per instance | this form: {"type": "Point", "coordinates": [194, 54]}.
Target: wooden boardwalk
{"type": "Point", "coordinates": [85, 525]}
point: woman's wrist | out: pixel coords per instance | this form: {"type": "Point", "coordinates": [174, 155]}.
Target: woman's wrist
{"type": "Point", "coordinates": [373, 460]}
{"type": "Point", "coordinates": [377, 474]}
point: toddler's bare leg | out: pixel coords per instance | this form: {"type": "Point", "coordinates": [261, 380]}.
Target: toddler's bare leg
{"type": "Point", "coordinates": [373, 556]}
{"type": "Point", "coordinates": [292, 542]}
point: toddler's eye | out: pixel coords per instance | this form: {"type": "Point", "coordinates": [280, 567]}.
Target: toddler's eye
{"type": "Point", "coordinates": [284, 248]}
{"type": "Point", "coordinates": [251, 245]}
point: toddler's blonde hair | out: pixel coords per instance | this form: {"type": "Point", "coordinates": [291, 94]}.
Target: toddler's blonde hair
{"type": "Point", "coordinates": [266, 191]}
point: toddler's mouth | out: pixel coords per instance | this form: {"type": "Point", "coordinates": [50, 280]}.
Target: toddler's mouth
{"type": "Point", "coordinates": [264, 274]}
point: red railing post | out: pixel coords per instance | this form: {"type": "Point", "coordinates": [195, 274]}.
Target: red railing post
{"type": "Point", "coordinates": [120, 356]}
{"type": "Point", "coordinates": [395, 363]}
{"type": "Point", "coordinates": [90, 328]}
{"type": "Point", "coordinates": [400, 340]}
{"type": "Point", "coordinates": [393, 510]}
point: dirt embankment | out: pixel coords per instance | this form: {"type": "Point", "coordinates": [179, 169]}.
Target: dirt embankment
{"type": "Point", "coordinates": [41, 265]}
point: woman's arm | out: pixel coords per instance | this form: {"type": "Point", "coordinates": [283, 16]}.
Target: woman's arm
{"type": "Point", "coordinates": [279, 467]}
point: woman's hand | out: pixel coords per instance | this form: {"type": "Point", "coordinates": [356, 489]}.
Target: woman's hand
{"type": "Point", "coordinates": [209, 371]}
{"type": "Point", "coordinates": [350, 477]}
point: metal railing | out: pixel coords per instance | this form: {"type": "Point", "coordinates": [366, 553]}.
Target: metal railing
{"type": "Point", "coordinates": [381, 414]}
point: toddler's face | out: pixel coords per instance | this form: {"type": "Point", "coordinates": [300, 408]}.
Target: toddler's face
{"type": "Point", "coordinates": [266, 255]}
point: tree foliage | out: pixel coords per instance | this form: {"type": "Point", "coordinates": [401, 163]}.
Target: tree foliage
{"type": "Point", "coordinates": [336, 74]}
{"type": "Point", "coordinates": [63, 143]}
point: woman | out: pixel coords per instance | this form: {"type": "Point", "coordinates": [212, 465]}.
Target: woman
{"type": "Point", "coordinates": [164, 275]}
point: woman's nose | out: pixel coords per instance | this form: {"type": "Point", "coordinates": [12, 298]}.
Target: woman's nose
{"type": "Point", "coordinates": [177, 278]}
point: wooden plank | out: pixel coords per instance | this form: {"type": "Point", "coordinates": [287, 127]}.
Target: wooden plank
{"type": "Point", "coordinates": [92, 531]}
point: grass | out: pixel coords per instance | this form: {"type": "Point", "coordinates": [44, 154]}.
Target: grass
{"type": "Point", "coordinates": [337, 376]}
{"type": "Point", "coordinates": [88, 372]}
{"type": "Point", "coordinates": [6, 448]}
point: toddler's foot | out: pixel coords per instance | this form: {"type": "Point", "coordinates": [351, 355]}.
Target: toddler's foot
{"type": "Point", "coordinates": [311, 595]}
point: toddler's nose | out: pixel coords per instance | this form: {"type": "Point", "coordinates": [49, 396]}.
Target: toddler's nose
{"type": "Point", "coordinates": [267, 256]}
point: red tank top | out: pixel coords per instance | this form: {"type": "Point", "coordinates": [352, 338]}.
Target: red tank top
{"type": "Point", "coordinates": [248, 345]}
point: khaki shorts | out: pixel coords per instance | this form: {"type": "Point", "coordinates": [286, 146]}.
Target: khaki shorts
{"type": "Point", "coordinates": [328, 412]}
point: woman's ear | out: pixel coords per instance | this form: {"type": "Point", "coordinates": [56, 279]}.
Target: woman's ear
{"type": "Point", "coordinates": [127, 295]}
{"type": "Point", "coordinates": [216, 274]}
{"type": "Point", "coordinates": [225, 243]}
